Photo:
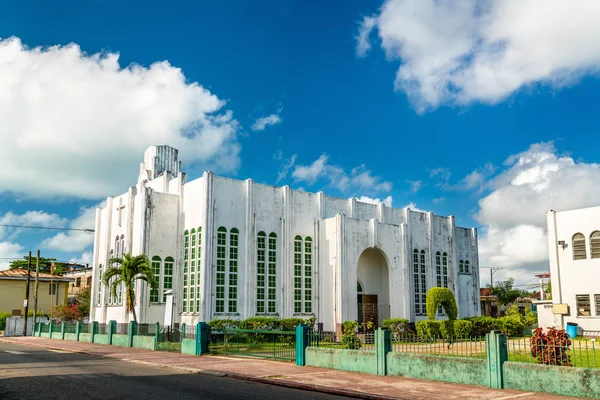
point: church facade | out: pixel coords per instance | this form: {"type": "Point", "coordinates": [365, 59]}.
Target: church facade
{"type": "Point", "coordinates": [226, 248]}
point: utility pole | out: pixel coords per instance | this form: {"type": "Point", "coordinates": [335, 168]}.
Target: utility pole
{"type": "Point", "coordinates": [37, 285]}
{"type": "Point", "coordinates": [492, 270]}
{"type": "Point", "coordinates": [27, 295]}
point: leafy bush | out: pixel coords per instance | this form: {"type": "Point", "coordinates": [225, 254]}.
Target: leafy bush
{"type": "Point", "coordinates": [428, 329]}
{"type": "Point", "coordinates": [70, 313]}
{"type": "Point", "coordinates": [395, 325]}
{"type": "Point", "coordinates": [290, 324]}
{"type": "Point", "coordinates": [260, 323]}
{"type": "Point", "coordinates": [444, 297]}
{"type": "Point", "coordinates": [221, 324]}
{"type": "Point", "coordinates": [462, 328]}
{"type": "Point", "coordinates": [551, 348]}
{"type": "Point", "coordinates": [350, 339]}
{"type": "Point", "coordinates": [3, 316]}
{"type": "Point", "coordinates": [512, 325]}
{"type": "Point", "coordinates": [446, 328]}
{"type": "Point", "coordinates": [483, 325]}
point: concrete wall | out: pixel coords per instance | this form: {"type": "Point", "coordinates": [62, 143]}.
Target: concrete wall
{"type": "Point", "coordinates": [71, 336]}
{"type": "Point", "coordinates": [188, 346]}
{"type": "Point", "coordinates": [101, 338]}
{"type": "Point", "coordinates": [567, 381]}
{"type": "Point", "coordinates": [120, 340]}
{"type": "Point", "coordinates": [448, 369]}
{"type": "Point", "coordinates": [144, 342]}
{"type": "Point", "coordinates": [573, 277]}
{"type": "Point", "coordinates": [45, 334]}
{"type": "Point", "coordinates": [85, 337]}
{"type": "Point", "coordinates": [345, 360]}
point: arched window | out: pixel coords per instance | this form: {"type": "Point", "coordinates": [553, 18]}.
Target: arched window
{"type": "Point", "coordinates": [155, 264]}
{"type": "Point", "coordinates": [261, 272]}
{"type": "Point", "coordinates": [198, 271]}
{"type": "Point", "coordinates": [117, 247]}
{"type": "Point", "coordinates": [99, 291]}
{"type": "Point", "coordinates": [122, 245]}
{"type": "Point", "coordinates": [419, 281]}
{"type": "Point", "coordinates": [579, 251]}
{"type": "Point", "coordinates": [233, 270]}
{"type": "Point", "coordinates": [461, 267]}
{"type": "Point", "coordinates": [595, 245]}
{"type": "Point", "coordinates": [298, 274]}
{"type": "Point", "coordinates": [308, 275]}
{"type": "Point", "coordinates": [467, 270]}
{"type": "Point", "coordinates": [438, 268]}
{"type": "Point", "coordinates": [192, 281]}
{"type": "Point", "coordinates": [186, 250]}
{"type": "Point", "coordinates": [168, 276]}
{"type": "Point", "coordinates": [221, 270]}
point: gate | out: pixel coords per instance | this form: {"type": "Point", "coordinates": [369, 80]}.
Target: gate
{"type": "Point", "coordinates": [169, 339]}
{"type": "Point", "coordinates": [277, 345]}
{"type": "Point", "coordinates": [14, 325]}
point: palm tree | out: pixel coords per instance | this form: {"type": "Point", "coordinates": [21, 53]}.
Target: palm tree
{"type": "Point", "coordinates": [126, 271]}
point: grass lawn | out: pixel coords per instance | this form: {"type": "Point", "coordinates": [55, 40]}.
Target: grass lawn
{"type": "Point", "coordinates": [169, 346]}
{"type": "Point", "coordinates": [284, 351]}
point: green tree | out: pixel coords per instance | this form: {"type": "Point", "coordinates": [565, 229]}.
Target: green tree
{"type": "Point", "coordinates": [505, 292]}
{"type": "Point", "coordinates": [126, 271]}
{"type": "Point", "coordinates": [83, 300]}
{"type": "Point", "coordinates": [548, 291]}
{"type": "Point", "coordinates": [45, 265]}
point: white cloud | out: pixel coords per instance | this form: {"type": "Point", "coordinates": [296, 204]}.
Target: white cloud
{"type": "Point", "coordinates": [415, 186]}
{"type": "Point", "coordinates": [85, 258]}
{"type": "Point", "coordinates": [387, 201]}
{"type": "Point", "coordinates": [263, 122]}
{"type": "Point", "coordinates": [460, 52]}
{"type": "Point", "coordinates": [285, 168]}
{"type": "Point", "coordinates": [359, 178]}
{"type": "Point", "coordinates": [71, 241]}
{"type": "Point", "coordinates": [77, 125]}
{"type": "Point", "coordinates": [29, 218]}
{"type": "Point", "coordinates": [513, 214]}
{"type": "Point", "coordinates": [363, 44]}
{"type": "Point", "coordinates": [414, 207]}
{"type": "Point", "coordinates": [9, 251]}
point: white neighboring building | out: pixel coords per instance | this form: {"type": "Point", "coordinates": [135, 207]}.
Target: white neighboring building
{"type": "Point", "coordinates": [574, 249]}
{"type": "Point", "coordinates": [235, 249]}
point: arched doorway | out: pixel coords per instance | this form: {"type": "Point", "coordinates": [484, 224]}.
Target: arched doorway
{"type": "Point", "coordinates": [373, 287]}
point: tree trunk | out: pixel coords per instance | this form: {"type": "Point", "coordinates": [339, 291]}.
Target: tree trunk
{"type": "Point", "coordinates": [131, 302]}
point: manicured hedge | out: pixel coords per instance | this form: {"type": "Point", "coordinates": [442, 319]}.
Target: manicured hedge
{"type": "Point", "coordinates": [261, 323]}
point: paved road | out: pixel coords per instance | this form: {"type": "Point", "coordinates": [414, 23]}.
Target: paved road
{"type": "Point", "coordinates": [35, 373]}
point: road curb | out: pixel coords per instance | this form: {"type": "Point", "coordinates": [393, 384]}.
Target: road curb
{"type": "Point", "coordinates": [242, 377]}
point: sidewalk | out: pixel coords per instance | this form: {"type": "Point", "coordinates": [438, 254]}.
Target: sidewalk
{"type": "Point", "coordinates": [286, 374]}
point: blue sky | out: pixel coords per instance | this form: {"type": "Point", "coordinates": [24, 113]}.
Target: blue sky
{"type": "Point", "coordinates": [418, 100]}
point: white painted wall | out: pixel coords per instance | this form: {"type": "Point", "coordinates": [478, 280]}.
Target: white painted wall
{"type": "Point", "coordinates": [573, 277]}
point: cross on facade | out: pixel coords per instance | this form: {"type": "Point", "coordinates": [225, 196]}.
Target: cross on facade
{"type": "Point", "coordinates": [120, 210]}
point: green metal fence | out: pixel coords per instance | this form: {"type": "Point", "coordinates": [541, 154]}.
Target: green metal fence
{"type": "Point", "coordinates": [466, 347]}
{"type": "Point", "coordinates": [146, 330]}
{"type": "Point", "coordinates": [169, 339]}
{"type": "Point", "coordinates": [85, 327]}
{"type": "Point", "coordinates": [70, 327]}
{"type": "Point", "coordinates": [45, 327]}
{"type": "Point", "coordinates": [583, 353]}
{"type": "Point", "coordinates": [278, 345]}
{"type": "Point", "coordinates": [122, 329]}
{"type": "Point", "coordinates": [56, 327]}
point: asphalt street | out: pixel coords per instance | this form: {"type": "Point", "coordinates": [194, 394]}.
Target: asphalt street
{"type": "Point", "coordinates": [36, 373]}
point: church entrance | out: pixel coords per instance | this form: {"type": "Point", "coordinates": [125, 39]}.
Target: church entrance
{"type": "Point", "coordinates": [372, 289]}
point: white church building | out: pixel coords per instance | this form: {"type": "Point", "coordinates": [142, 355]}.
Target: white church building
{"type": "Point", "coordinates": [227, 248]}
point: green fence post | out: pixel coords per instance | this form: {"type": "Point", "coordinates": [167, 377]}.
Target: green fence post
{"type": "Point", "coordinates": [62, 330]}
{"type": "Point", "coordinates": [132, 330]}
{"type": "Point", "coordinates": [112, 331]}
{"type": "Point", "coordinates": [156, 336]}
{"type": "Point", "coordinates": [182, 335]}
{"type": "Point", "coordinates": [383, 345]}
{"type": "Point", "coordinates": [77, 329]}
{"type": "Point", "coordinates": [497, 355]}
{"type": "Point", "coordinates": [51, 326]}
{"type": "Point", "coordinates": [301, 344]}
{"type": "Point", "coordinates": [94, 331]}
{"type": "Point", "coordinates": [202, 331]}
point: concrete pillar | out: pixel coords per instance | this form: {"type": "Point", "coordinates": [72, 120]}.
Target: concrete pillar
{"type": "Point", "coordinates": [77, 330]}
{"type": "Point", "coordinates": [93, 331]}
{"type": "Point", "coordinates": [202, 331]}
{"type": "Point", "coordinates": [62, 330]}
{"type": "Point", "coordinates": [112, 329]}
{"type": "Point", "coordinates": [301, 344]}
{"type": "Point", "coordinates": [132, 330]}
{"type": "Point", "coordinates": [497, 355]}
{"type": "Point", "coordinates": [383, 345]}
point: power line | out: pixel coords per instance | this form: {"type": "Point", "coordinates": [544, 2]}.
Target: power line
{"type": "Point", "coordinates": [86, 230]}
{"type": "Point", "coordinates": [24, 258]}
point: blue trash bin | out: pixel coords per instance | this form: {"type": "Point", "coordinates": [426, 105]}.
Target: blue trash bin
{"type": "Point", "coordinates": [572, 329]}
